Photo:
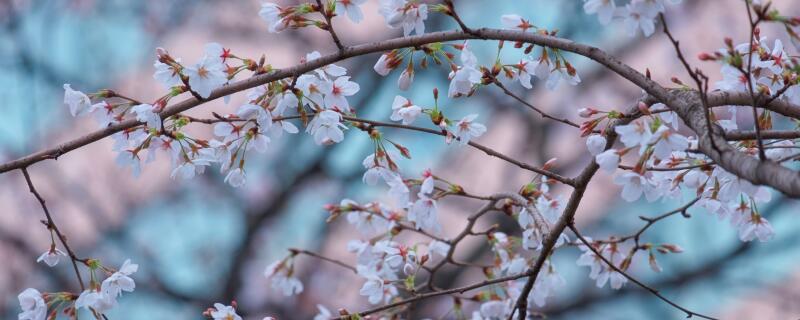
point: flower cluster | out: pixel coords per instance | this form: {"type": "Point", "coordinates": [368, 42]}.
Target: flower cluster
{"type": "Point", "coordinates": [665, 167]}
{"type": "Point", "coordinates": [638, 14]}
{"type": "Point", "coordinates": [99, 298]}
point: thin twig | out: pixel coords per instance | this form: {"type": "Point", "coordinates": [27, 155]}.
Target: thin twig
{"type": "Point", "coordinates": [532, 107]}
{"type": "Point", "coordinates": [52, 225]}
{"type": "Point", "coordinates": [329, 25]}
{"type": "Point", "coordinates": [323, 258]}
{"type": "Point", "coordinates": [655, 292]}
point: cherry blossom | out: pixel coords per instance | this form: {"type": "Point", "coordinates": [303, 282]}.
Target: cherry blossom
{"type": "Point", "coordinates": [424, 214]}
{"type": "Point", "coordinates": [566, 73]}
{"type": "Point", "coordinates": [281, 276]}
{"type": "Point", "coordinates": [271, 13]}
{"type": "Point", "coordinates": [515, 22]}
{"type": "Point", "coordinates": [206, 75]}
{"type": "Point", "coordinates": [386, 63]}
{"type": "Point", "coordinates": [608, 160]}
{"type": "Point", "coordinates": [635, 133]}
{"type": "Point", "coordinates": [223, 312]}
{"type": "Point", "coordinates": [375, 289]}
{"type": "Point", "coordinates": [599, 270]}
{"type": "Point", "coordinates": [400, 257]}
{"type": "Point", "coordinates": [250, 111]}
{"type": "Point", "coordinates": [33, 305]}
{"type": "Point", "coordinates": [323, 314]}
{"type": "Point", "coordinates": [603, 8]}
{"type": "Point", "coordinates": [466, 129]}
{"type": "Point", "coordinates": [667, 141]}
{"type": "Point", "coordinates": [96, 300]}
{"type": "Point", "coordinates": [130, 158]}
{"type": "Point", "coordinates": [351, 7]}
{"type": "Point", "coordinates": [78, 102]}
{"type": "Point", "coordinates": [548, 282]}
{"type": "Point", "coordinates": [311, 88]}
{"type": "Point", "coordinates": [326, 127]}
{"type": "Point", "coordinates": [337, 91]}
{"type": "Point", "coordinates": [525, 68]}
{"type": "Point", "coordinates": [51, 257]}
{"type": "Point", "coordinates": [236, 177]}
{"type": "Point", "coordinates": [464, 77]}
{"type": "Point", "coordinates": [148, 114]}
{"type": "Point", "coordinates": [756, 226]}
{"type": "Point", "coordinates": [492, 310]}
{"type": "Point", "coordinates": [120, 281]}
{"type": "Point", "coordinates": [406, 78]}
{"type": "Point", "coordinates": [366, 222]}
{"type": "Point", "coordinates": [633, 185]}
{"type": "Point", "coordinates": [403, 110]}
{"type": "Point", "coordinates": [378, 167]}
{"type": "Point", "coordinates": [438, 248]}
{"type": "Point", "coordinates": [409, 15]}
{"type": "Point", "coordinates": [168, 75]}
{"type": "Point", "coordinates": [596, 144]}
{"type": "Point", "coordinates": [639, 16]}
{"type": "Point", "coordinates": [332, 70]}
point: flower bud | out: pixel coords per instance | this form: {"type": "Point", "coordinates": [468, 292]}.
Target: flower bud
{"type": "Point", "coordinates": [704, 56]}
{"type": "Point", "coordinates": [586, 112]}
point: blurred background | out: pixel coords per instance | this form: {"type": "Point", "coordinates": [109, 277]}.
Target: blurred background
{"type": "Point", "coordinates": [201, 241]}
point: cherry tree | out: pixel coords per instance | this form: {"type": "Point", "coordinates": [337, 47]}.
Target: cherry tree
{"type": "Point", "coordinates": [676, 139]}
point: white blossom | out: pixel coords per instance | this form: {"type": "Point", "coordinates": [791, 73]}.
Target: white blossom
{"type": "Point", "coordinates": [515, 22]}
{"type": "Point", "coordinates": [337, 91]}
{"type": "Point", "coordinates": [147, 113]}
{"type": "Point", "coordinates": [207, 75]}
{"type": "Point", "coordinates": [632, 183]}
{"type": "Point", "coordinates": [271, 13]}
{"type": "Point", "coordinates": [51, 257]}
{"type": "Point", "coordinates": [167, 74]}
{"type": "Point", "coordinates": [467, 75]}
{"type": "Point", "coordinates": [332, 70]}
{"type": "Point", "coordinates": [467, 130]}
{"type": "Point", "coordinates": [638, 16]}
{"type": "Point", "coordinates": [120, 281]}
{"type": "Point", "coordinates": [78, 102]}
{"type": "Point", "coordinates": [424, 214]}
{"type": "Point", "coordinates": [608, 160]}
{"type": "Point", "coordinates": [32, 304]}
{"type": "Point", "coordinates": [603, 8]}
{"type": "Point", "coordinates": [351, 7]}
{"type": "Point", "coordinates": [282, 279]}
{"type": "Point", "coordinates": [403, 109]}
{"type": "Point", "coordinates": [409, 15]}
{"type": "Point", "coordinates": [223, 312]}
{"type": "Point", "coordinates": [326, 127]}
{"type": "Point", "coordinates": [756, 226]}
{"type": "Point", "coordinates": [236, 177]}
{"type": "Point", "coordinates": [323, 314]}
{"type": "Point", "coordinates": [596, 144]}
{"type": "Point", "coordinates": [635, 133]}
{"type": "Point", "coordinates": [98, 301]}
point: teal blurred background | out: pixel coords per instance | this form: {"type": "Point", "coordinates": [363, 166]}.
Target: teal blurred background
{"type": "Point", "coordinates": [200, 242]}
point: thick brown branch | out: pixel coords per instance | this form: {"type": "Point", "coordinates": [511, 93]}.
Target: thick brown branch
{"type": "Point", "coordinates": [688, 106]}
{"type": "Point", "coordinates": [493, 34]}
{"type": "Point", "coordinates": [726, 98]}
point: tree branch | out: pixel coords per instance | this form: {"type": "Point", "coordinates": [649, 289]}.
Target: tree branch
{"type": "Point", "coordinates": [492, 34]}
{"type": "Point", "coordinates": [655, 292]}
{"type": "Point", "coordinates": [52, 226]}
